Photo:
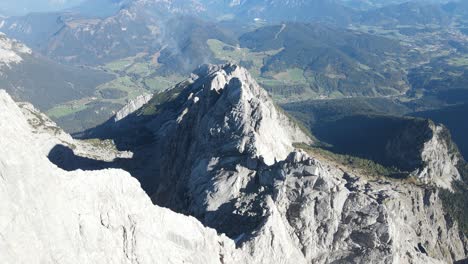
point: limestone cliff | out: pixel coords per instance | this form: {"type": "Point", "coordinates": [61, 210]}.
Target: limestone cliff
{"type": "Point", "coordinates": [48, 215]}
{"type": "Point", "coordinates": [217, 148]}
{"type": "Point", "coordinates": [220, 150]}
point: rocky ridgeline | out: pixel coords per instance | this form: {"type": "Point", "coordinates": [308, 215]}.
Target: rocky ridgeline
{"type": "Point", "coordinates": [217, 148]}
{"type": "Point", "coordinates": [132, 106]}
{"type": "Point", "coordinates": [52, 216]}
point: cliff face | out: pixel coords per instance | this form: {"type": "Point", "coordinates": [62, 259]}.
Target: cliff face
{"type": "Point", "coordinates": [440, 159]}
{"type": "Point", "coordinates": [48, 215]}
{"type": "Point", "coordinates": [217, 148]}
{"type": "Point", "coordinates": [225, 155]}
{"type": "Point", "coordinates": [426, 150]}
{"type": "Point", "coordinates": [132, 106]}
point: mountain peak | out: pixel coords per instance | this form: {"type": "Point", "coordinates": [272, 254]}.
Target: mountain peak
{"type": "Point", "coordinates": [228, 105]}
{"type": "Point", "coordinates": [217, 148]}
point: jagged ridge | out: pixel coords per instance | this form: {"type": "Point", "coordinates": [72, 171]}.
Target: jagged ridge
{"type": "Point", "coordinates": [217, 148]}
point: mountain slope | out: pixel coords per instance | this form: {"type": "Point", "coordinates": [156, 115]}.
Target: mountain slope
{"type": "Point", "coordinates": [50, 215]}
{"type": "Point", "coordinates": [136, 27]}
{"type": "Point", "coordinates": [216, 147]}
{"type": "Point", "coordinates": [334, 62]}
{"type": "Point", "coordinates": [408, 13]}
{"type": "Point", "coordinates": [276, 11]}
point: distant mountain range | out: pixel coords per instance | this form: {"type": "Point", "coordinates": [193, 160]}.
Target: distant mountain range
{"type": "Point", "coordinates": [140, 27]}
{"type": "Point", "coordinates": [31, 77]}
{"type": "Point", "coordinates": [148, 44]}
{"type": "Point", "coordinates": [22, 7]}
{"type": "Point", "coordinates": [105, 30]}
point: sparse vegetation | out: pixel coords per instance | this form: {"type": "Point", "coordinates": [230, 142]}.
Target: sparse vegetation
{"type": "Point", "coordinates": [102, 144]}
{"type": "Point", "coordinates": [253, 61]}
{"type": "Point", "coordinates": [364, 166]}
{"type": "Point", "coordinates": [159, 100]}
{"type": "Point", "coordinates": [64, 110]}
{"type": "Point", "coordinates": [134, 76]}
{"type": "Point", "coordinates": [455, 203]}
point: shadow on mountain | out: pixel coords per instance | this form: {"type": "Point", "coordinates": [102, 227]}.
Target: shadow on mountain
{"type": "Point", "coordinates": [390, 141]}
{"type": "Point", "coordinates": [463, 261]}
{"type": "Point", "coordinates": [65, 158]}
{"type": "Point", "coordinates": [226, 220]}
{"type": "Point", "coordinates": [140, 166]}
{"type": "Point", "coordinates": [454, 118]}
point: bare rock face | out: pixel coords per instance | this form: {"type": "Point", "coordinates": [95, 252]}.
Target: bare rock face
{"type": "Point", "coordinates": [51, 216]}
{"type": "Point", "coordinates": [132, 106]}
{"type": "Point", "coordinates": [330, 216]}
{"type": "Point", "coordinates": [221, 151]}
{"type": "Point", "coordinates": [217, 148]}
{"type": "Point", "coordinates": [440, 159]}
{"type": "Point", "coordinates": [209, 140]}
{"type": "Point", "coordinates": [427, 151]}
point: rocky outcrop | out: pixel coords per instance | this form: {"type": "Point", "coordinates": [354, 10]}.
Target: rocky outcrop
{"type": "Point", "coordinates": [51, 216]}
{"type": "Point", "coordinates": [326, 215]}
{"type": "Point", "coordinates": [440, 158]}
{"type": "Point", "coordinates": [427, 152]}
{"type": "Point", "coordinates": [221, 151]}
{"type": "Point", "coordinates": [217, 148]}
{"type": "Point", "coordinates": [49, 135]}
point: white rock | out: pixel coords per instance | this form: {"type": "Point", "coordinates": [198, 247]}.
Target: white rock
{"type": "Point", "coordinates": [51, 216]}
{"type": "Point", "coordinates": [131, 106]}
{"type": "Point", "coordinates": [11, 51]}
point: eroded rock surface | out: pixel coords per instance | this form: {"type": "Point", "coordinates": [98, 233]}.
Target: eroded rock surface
{"type": "Point", "coordinates": [48, 215]}
{"type": "Point", "coordinates": [132, 106]}
{"type": "Point", "coordinates": [217, 148]}
{"type": "Point", "coordinates": [224, 154]}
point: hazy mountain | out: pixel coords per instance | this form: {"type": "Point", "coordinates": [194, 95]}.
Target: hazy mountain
{"type": "Point", "coordinates": [458, 8]}
{"type": "Point", "coordinates": [408, 13]}
{"type": "Point", "coordinates": [22, 7]}
{"type": "Point", "coordinates": [100, 8]}
{"type": "Point", "coordinates": [374, 4]}
{"type": "Point", "coordinates": [276, 11]}
{"type": "Point", "coordinates": [30, 77]}
{"type": "Point", "coordinates": [142, 26]}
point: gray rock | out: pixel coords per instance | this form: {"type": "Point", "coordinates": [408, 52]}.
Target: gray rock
{"type": "Point", "coordinates": [132, 106]}
{"type": "Point", "coordinates": [48, 215]}
{"type": "Point", "coordinates": [228, 159]}
{"type": "Point", "coordinates": [223, 152]}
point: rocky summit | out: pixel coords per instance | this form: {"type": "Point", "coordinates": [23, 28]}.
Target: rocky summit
{"type": "Point", "coordinates": [224, 159]}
